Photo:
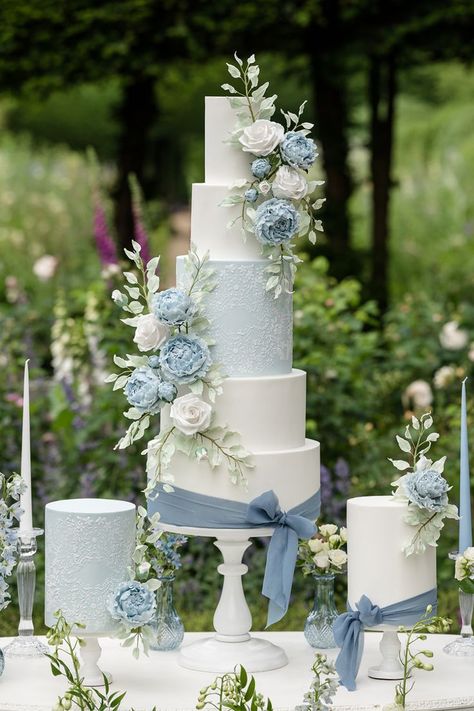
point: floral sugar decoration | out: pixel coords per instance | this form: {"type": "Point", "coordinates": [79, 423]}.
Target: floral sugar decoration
{"type": "Point", "coordinates": [171, 336]}
{"type": "Point", "coordinates": [324, 553]}
{"type": "Point", "coordinates": [423, 487]}
{"type": "Point", "coordinates": [11, 489]}
{"type": "Point", "coordinates": [278, 202]}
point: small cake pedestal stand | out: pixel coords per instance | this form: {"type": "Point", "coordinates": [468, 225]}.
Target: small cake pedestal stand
{"type": "Point", "coordinates": [90, 655]}
{"type": "Point", "coordinates": [232, 644]}
{"type": "Point", "coordinates": [390, 666]}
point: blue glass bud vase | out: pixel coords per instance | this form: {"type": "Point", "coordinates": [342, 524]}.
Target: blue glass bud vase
{"type": "Point", "coordinates": [2, 662]}
{"type": "Point", "coordinates": [318, 626]}
{"type": "Point", "coordinates": [168, 628]}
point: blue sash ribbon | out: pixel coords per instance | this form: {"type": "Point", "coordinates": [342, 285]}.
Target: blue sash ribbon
{"type": "Point", "coordinates": [189, 509]}
{"type": "Point", "coordinates": [349, 628]}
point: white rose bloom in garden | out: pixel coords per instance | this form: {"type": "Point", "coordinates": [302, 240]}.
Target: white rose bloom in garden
{"type": "Point", "coordinates": [45, 267]}
{"type": "Point", "coordinates": [261, 137]}
{"type": "Point", "coordinates": [289, 183]}
{"type": "Point", "coordinates": [338, 557]}
{"type": "Point", "coordinates": [190, 414]}
{"type": "Point", "coordinates": [322, 560]}
{"type": "Point", "coordinates": [443, 376]}
{"type": "Point", "coordinates": [150, 333]}
{"type": "Point", "coordinates": [452, 337]}
{"type": "Point", "coordinates": [343, 534]}
{"type": "Point", "coordinates": [419, 393]}
{"type": "Point", "coordinates": [329, 529]}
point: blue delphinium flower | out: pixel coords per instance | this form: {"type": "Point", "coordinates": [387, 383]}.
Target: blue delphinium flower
{"type": "Point", "coordinates": [261, 168]}
{"type": "Point", "coordinates": [427, 489]}
{"type": "Point", "coordinates": [185, 359]}
{"type": "Point", "coordinates": [142, 390]}
{"type": "Point", "coordinates": [276, 221]}
{"type": "Point", "coordinates": [167, 559]}
{"type": "Point", "coordinates": [173, 307]}
{"type": "Point", "coordinates": [251, 194]}
{"type": "Point", "coordinates": [132, 603]}
{"type": "Point", "coordinates": [297, 150]}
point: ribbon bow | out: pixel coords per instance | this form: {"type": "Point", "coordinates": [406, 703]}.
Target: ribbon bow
{"type": "Point", "coordinates": [349, 627]}
{"type": "Point", "coordinates": [283, 549]}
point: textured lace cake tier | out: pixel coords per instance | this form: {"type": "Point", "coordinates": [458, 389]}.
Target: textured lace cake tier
{"type": "Point", "coordinates": [377, 565]}
{"type": "Point", "coordinates": [252, 331]}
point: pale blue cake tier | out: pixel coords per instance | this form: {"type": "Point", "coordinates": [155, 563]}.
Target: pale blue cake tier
{"type": "Point", "coordinates": [252, 331]}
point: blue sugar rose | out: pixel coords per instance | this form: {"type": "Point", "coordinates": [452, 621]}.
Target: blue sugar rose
{"type": "Point", "coordinates": [185, 359]}
{"type": "Point", "coordinates": [297, 150]}
{"type": "Point", "coordinates": [427, 489]}
{"type": "Point", "coordinates": [173, 307]}
{"type": "Point", "coordinates": [143, 390]}
{"type": "Point", "coordinates": [132, 603]}
{"type": "Point", "coordinates": [261, 168]}
{"type": "Point", "coordinates": [276, 221]}
{"type": "Point", "coordinates": [251, 195]}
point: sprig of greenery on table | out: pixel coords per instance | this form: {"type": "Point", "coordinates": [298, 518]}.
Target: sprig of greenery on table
{"type": "Point", "coordinates": [411, 659]}
{"type": "Point", "coordinates": [236, 691]}
{"type": "Point", "coordinates": [324, 686]}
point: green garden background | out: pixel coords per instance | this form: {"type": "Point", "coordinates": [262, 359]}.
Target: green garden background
{"type": "Point", "coordinates": [101, 137]}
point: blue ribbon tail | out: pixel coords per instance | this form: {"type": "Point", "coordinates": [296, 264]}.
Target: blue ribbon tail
{"type": "Point", "coordinates": [279, 571]}
{"type": "Point", "coordinates": [349, 635]}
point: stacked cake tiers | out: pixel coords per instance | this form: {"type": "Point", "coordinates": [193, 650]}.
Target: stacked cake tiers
{"type": "Point", "coordinates": [263, 398]}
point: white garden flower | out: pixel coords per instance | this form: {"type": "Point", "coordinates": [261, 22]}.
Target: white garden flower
{"type": "Point", "coordinates": [289, 183]}
{"type": "Point", "coordinates": [150, 333]}
{"type": "Point", "coordinates": [338, 557]}
{"type": "Point", "coordinates": [443, 376]}
{"type": "Point", "coordinates": [261, 137]}
{"type": "Point", "coordinates": [469, 554]}
{"type": "Point", "coordinates": [334, 540]}
{"type": "Point", "coordinates": [190, 414]}
{"type": "Point", "coordinates": [45, 267]}
{"type": "Point", "coordinates": [316, 545]}
{"type": "Point", "coordinates": [328, 529]}
{"type": "Point", "coordinates": [453, 338]}
{"type": "Point", "coordinates": [419, 393]}
{"type": "Point", "coordinates": [322, 560]}
{"type": "Point", "coordinates": [343, 534]}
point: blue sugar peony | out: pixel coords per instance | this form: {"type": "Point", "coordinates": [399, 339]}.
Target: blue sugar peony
{"type": "Point", "coordinates": [168, 391]}
{"type": "Point", "coordinates": [276, 221]}
{"type": "Point", "coordinates": [261, 168]}
{"type": "Point", "coordinates": [143, 390]}
{"type": "Point", "coordinates": [297, 150]}
{"type": "Point", "coordinates": [251, 194]}
{"type": "Point", "coordinates": [185, 359]}
{"type": "Point", "coordinates": [427, 489]}
{"type": "Point", "coordinates": [173, 307]}
{"type": "Point", "coordinates": [154, 361]}
{"type": "Point", "coordinates": [132, 603]}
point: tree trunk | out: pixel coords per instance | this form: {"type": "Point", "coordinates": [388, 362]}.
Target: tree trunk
{"type": "Point", "coordinates": [382, 90]}
{"type": "Point", "coordinates": [136, 113]}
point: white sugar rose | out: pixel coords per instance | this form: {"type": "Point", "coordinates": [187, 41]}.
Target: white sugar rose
{"type": "Point", "coordinates": [150, 333]}
{"type": "Point", "coordinates": [289, 183]}
{"type": "Point", "coordinates": [329, 529]}
{"type": "Point", "coordinates": [190, 414]}
{"type": "Point", "coordinates": [322, 560]}
{"type": "Point", "coordinates": [338, 558]}
{"type": "Point", "coordinates": [261, 137]}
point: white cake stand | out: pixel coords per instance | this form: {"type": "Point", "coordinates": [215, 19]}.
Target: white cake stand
{"type": "Point", "coordinates": [232, 644]}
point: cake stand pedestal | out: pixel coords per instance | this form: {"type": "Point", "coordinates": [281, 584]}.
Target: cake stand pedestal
{"type": "Point", "coordinates": [390, 667]}
{"type": "Point", "coordinates": [232, 644]}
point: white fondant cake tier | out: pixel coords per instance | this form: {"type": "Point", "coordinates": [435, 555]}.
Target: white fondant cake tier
{"type": "Point", "coordinates": [252, 331]}
{"type": "Point", "coordinates": [267, 412]}
{"type": "Point", "coordinates": [209, 225]}
{"type": "Point", "coordinates": [293, 474]}
{"type": "Point", "coordinates": [377, 565]}
{"type": "Point", "coordinates": [223, 163]}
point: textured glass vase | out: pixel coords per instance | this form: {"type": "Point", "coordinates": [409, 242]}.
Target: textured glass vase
{"type": "Point", "coordinates": [318, 627]}
{"type": "Point", "coordinates": [167, 626]}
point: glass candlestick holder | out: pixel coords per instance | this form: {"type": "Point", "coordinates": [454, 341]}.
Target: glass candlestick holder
{"type": "Point", "coordinates": [26, 644]}
{"type": "Point", "coordinates": [463, 646]}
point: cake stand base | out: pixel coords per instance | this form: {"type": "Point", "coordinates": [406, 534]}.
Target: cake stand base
{"type": "Point", "coordinates": [232, 644]}
{"type": "Point", "coordinates": [26, 646]}
{"type": "Point", "coordinates": [213, 655]}
{"type": "Point", "coordinates": [390, 667]}
{"type": "Point", "coordinates": [460, 647]}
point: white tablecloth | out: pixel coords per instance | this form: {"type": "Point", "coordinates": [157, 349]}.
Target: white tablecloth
{"type": "Point", "coordinates": [158, 680]}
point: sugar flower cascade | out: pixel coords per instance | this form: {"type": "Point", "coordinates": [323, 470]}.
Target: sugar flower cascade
{"type": "Point", "coordinates": [278, 204]}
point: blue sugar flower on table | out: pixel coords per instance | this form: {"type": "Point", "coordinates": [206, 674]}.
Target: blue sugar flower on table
{"type": "Point", "coordinates": [427, 489]}
{"type": "Point", "coordinates": [276, 221]}
{"type": "Point", "coordinates": [133, 603]}
{"type": "Point", "coordinates": [297, 150]}
{"type": "Point", "coordinates": [261, 168]}
{"type": "Point", "coordinates": [185, 359]}
{"type": "Point", "coordinates": [142, 390]}
{"type": "Point", "coordinates": [173, 307]}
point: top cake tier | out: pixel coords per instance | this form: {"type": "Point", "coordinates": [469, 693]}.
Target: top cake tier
{"type": "Point", "coordinates": [224, 163]}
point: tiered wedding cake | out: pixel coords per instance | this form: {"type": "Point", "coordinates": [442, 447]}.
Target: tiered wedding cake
{"type": "Point", "coordinates": [263, 397]}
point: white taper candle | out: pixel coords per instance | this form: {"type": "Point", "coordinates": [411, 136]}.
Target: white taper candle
{"type": "Point", "coordinates": [26, 521]}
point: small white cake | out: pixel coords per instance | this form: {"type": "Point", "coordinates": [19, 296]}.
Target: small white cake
{"type": "Point", "coordinates": [377, 565]}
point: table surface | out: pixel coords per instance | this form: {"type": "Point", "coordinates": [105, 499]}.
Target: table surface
{"type": "Point", "coordinates": [158, 680]}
